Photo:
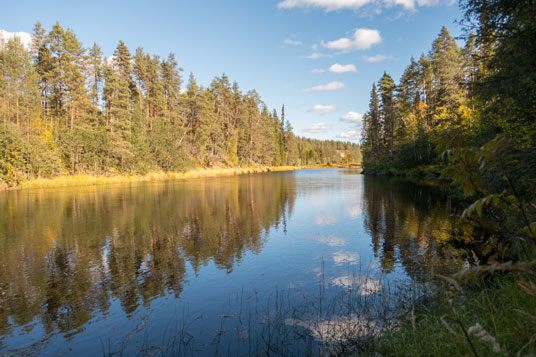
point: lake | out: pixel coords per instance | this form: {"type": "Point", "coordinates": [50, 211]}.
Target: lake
{"type": "Point", "coordinates": [238, 265]}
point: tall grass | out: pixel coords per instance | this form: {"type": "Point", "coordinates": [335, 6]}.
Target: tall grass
{"type": "Point", "coordinates": [334, 317]}
{"type": "Point", "coordinates": [85, 180]}
{"type": "Point", "coordinates": [487, 316]}
{"type": "Point", "coordinates": [366, 315]}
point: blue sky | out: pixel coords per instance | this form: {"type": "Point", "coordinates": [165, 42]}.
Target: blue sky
{"type": "Point", "coordinates": [265, 45]}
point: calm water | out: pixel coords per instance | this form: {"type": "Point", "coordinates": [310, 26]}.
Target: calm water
{"type": "Point", "coordinates": [126, 268]}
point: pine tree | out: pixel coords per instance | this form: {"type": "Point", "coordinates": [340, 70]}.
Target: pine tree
{"type": "Point", "coordinates": [95, 73]}
{"type": "Point", "coordinates": [65, 111]}
{"type": "Point", "coordinates": [447, 67]}
{"type": "Point", "coordinates": [171, 80]}
{"type": "Point", "coordinates": [506, 85]}
{"type": "Point", "coordinates": [75, 80]}
{"type": "Point", "coordinates": [386, 89]}
{"type": "Point", "coordinates": [38, 40]}
{"type": "Point", "coordinates": [125, 87]}
{"type": "Point", "coordinates": [374, 128]}
{"type": "Point", "coordinates": [140, 73]}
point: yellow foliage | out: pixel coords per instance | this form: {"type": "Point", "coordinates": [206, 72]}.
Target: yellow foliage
{"type": "Point", "coordinates": [467, 117]}
{"type": "Point", "coordinates": [84, 180]}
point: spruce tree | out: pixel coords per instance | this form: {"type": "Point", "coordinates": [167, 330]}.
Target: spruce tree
{"type": "Point", "coordinates": [386, 89]}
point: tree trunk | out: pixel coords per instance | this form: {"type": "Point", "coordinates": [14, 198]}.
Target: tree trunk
{"type": "Point", "coordinates": [424, 89]}
{"type": "Point", "coordinates": [17, 104]}
{"type": "Point", "coordinates": [72, 117]}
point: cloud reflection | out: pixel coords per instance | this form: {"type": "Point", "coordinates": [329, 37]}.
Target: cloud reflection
{"type": "Point", "coordinates": [353, 211]}
{"type": "Point", "coordinates": [342, 257]}
{"type": "Point", "coordinates": [332, 241]}
{"type": "Point", "coordinates": [364, 285]}
{"type": "Point", "coordinates": [337, 328]}
{"type": "Point", "coordinates": [327, 219]}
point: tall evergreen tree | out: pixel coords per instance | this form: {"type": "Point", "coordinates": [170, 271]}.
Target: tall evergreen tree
{"type": "Point", "coordinates": [386, 89]}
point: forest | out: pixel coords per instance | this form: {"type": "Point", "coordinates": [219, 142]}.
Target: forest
{"type": "Point", "coordinates": [69, 110]}
{"type": "Point", "coordinates": [467, 115]}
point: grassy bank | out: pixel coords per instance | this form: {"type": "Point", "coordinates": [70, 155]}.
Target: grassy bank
{"type": "Point", "coordinates": [83, 180]}
{"type": "Point", "coordinates": [486, 317]}
{"type": "Point", "coordinates": [327, 166]}
{"type": "Point", "coordinates": [385, 169]}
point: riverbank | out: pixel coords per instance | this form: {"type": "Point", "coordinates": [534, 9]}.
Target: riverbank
{"type": "Point", "coordinates": [88, 180]}
{"type": "Point", "coordinates": [489, 315]}
{"type": "Point", "coordinates": [430, 172]}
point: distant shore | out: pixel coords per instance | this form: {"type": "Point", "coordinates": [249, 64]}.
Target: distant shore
{"type": "Point", "coordinates": [88, 180]}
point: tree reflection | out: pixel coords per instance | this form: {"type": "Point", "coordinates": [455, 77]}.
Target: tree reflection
{"type": "Point", "coordinates": [65, 253]}
{"type": "Point", "coordinates": [407, 223]}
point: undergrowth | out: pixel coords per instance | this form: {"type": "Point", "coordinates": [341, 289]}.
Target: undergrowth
{"type": "Point", "coordinates": [490, 315]}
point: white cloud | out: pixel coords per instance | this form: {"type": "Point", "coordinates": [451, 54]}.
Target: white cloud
{"type": "Point", "coordinates": [336, 5]}
{"type": "Point", "coordinates": [352, 117]}
{"type": "Point", "coordinates": [406, 4]}
{"type": "Point", "coordinates": [326, 87]}
{"type": "Point", "coordinates": [24, 37]}
{"type": "Point", "coordinates": [377, 58]}
{"type": "Point", "coordinates": [316, 55]}
{"type": "Point", "coordinates": [327, 5]}
{"type": "Point", "coordinates": [289, 41]}
{"type": "Point", "coordinates": [339, 68]}
{"type": "Point", "coordinates": [362, 39]}
{"type": "Point", "coordinates": [317, 128]}
{"type": "Point", "coordinates": [324, 108]}
{"type": "Point", "coordinates": [318, 70]}
{"type": "Point", "coordinates": [410, 4]}
{"type": "Point", "coordinates": [352, 134]}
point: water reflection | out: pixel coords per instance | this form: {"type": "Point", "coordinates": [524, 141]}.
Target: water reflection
{"type": "Point", "coordinates": [64, 254]}
{"type": "Point", "coordinates": [69, 257]}
{"type": "Point", "coordinates": [407, 222]}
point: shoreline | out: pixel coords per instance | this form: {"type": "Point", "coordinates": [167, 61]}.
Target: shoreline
{"type": "Point", "coordinates": [91, 180]}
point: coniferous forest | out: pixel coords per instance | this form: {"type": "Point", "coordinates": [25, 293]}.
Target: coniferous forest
{"type": "Point", "coordinates": [67, 109]}
{"type": "Point", "coordinates": [467, 114]}
{"type": "Point", "coordinates": [449, 254]}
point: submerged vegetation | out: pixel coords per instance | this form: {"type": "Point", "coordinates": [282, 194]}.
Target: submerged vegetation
{"type": "Point", "coordinates": [66, 110]}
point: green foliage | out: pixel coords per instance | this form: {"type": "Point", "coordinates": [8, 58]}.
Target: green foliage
{"type": "Point", "coordinates": [505, 43]}
{"type": "Point", "coordinates": [497, 314]}
{"type": "Point", "coordinates": [469, 113]}
{"type": "Point", "coordinates": [21, 158]}
{"type": "Point", "coordinates": [65, 111]}
{"type": "Point", "coordinates": [499, 177]}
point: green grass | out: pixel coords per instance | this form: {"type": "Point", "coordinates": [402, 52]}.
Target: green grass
{"type": "Point", "coordinates": [434, 328]}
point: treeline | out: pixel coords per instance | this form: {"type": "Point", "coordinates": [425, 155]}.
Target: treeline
{"type": "Point", "coordinates": [469, 114]}
{"type": "Point", "coordinates": [66, 109]}
{"type": "Point", "coordinates": [313, 151]}
{"type": "Point", "coordinates": [405, 121]}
